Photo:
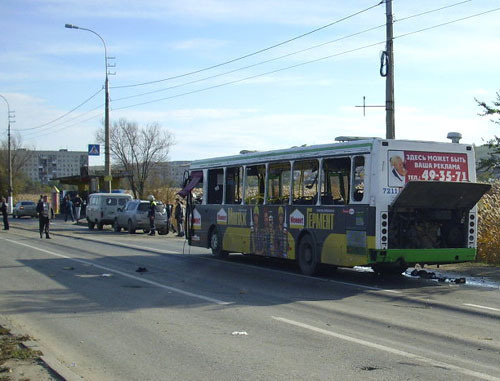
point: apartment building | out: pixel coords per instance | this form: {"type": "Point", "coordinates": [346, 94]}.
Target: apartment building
{"type": "Point", "coordinates": [43, 166]}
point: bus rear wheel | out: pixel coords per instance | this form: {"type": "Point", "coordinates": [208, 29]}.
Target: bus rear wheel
{"type": "Point", "coordinates": [307, 258]}
{"type": "Point", "coordinates": [216, 244]}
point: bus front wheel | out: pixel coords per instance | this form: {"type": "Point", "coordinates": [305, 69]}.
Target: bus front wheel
{"type": "Point", "coordinates": [307, 258]}
{"type": "Point", "coordinates": [216, 244]}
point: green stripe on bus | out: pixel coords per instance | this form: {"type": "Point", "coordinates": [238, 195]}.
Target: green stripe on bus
{"type": "Point", "coordinates": [426, 255]}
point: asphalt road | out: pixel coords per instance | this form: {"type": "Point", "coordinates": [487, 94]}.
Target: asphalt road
{"type": "Point", "coordinates": [194, 317]}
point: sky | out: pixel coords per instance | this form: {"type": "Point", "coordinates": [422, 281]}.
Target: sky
{"type": "Point", "coordinates": [272, 94]}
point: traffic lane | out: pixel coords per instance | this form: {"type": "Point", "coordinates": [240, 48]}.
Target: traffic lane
{"type": "Point", "coordinates": [284, 291]}
{"type": "Point", "coordinates": [308, 315]}
{"type": "Point", "coordinates": [485, 300]}
{"type": "Point", "coordinates": [420, 290]}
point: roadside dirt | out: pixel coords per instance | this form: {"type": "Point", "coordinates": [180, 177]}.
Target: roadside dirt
{"type": "Point", "coordinates": [18, 362]}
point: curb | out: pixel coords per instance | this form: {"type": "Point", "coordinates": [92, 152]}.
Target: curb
{"type": "Point", "coordinates": [48, 359]}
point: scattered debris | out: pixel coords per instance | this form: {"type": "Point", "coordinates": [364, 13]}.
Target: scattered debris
{"type": "Point", "coordinates": [239, 333]}
{"type": "Point", "coordinates": [369, 368]}
{"type": "Point", "coordinates": [431, 275]}
{"type": "Point", "coordinates": [68, 268]}
{"type": "Point", "coordinates": [141, 270]}
{"type": "Point", "coordinates": [106, 275]}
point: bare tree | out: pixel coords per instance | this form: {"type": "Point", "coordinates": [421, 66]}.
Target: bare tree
{"type": "Point", "coordinates": [20, 156]}
{"type": "Point", "coordinates": [138, 150]}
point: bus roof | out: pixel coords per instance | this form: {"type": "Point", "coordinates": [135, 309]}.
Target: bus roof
{"type": "Point", "coordinates": [303, 152]}
{"type": "Point", "coordinates": [346, 146]}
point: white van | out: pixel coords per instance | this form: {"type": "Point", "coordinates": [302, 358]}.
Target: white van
{"type": "Point", "coordinates": [102, 208]}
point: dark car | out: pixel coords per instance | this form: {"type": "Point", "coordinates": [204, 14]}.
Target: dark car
{"type": "Point", "coordinates": [24, 208]}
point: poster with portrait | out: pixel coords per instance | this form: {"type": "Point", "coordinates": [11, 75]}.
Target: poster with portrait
{"type": "Point", "coordinates": [407, 166]}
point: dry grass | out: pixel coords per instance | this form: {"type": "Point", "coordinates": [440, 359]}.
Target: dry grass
{"type": "Point", "coordinates": [489, 226]}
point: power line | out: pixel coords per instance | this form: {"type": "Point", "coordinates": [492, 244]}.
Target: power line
{"type": "Point", "coordinates": [251, 54]}
{"type": "Point", "coordinates": [66, 121]}
{"type": "Point", "coordinates": [448, 23]}
{"type": "Point", "coordinates": [248, 66]}
{"type": "Point", "coordinates": [62, 116]}
{"type": "Point", "coordinates": [307, 62]}
{"type": "Point", "coordinates": [285, 55]}
{"type": "Point", "coordinates": [100, 114]}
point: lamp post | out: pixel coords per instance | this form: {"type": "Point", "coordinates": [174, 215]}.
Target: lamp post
{"type": "Point", "coordinates": [9, 196]}
{"type": "Point", "coordinates": [107, 162]}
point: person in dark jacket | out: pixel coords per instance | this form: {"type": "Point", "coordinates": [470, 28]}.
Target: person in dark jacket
{"type": "Point", "coordinates": [152, 214]}
{"type": "Point", "coordinates": [5, 214]}
{"type": "Point", "coordinates": [179, 217]}
{"type": "Point", "coordinates": [45, 213]}
{"type": "Point", "coordinates": [77, 204]}
{"type": "Point", "coordinates": [68, 209]}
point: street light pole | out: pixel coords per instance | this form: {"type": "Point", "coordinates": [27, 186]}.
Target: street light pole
{"type": "Point", "coordinates": [9, 195]}
{"type": "Point", "coordinates": [107, 161]}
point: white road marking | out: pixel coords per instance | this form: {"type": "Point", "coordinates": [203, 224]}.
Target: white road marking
{"type": "Point", "coordinates": [482, 307]}
{"type": "Point", "coordinates": [111, 270]}
{"type": "Point", "coordinates": [246, 265]}
{"type": "Point", "coordinates": [394, 351]}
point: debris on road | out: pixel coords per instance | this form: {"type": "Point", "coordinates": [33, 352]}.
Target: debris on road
{"type": "Point", "coordinates": [431, 275]}
{"type": "Point", "coordinates": [141, 270]}
{"type": "Point", "coordinates": [239, 333]}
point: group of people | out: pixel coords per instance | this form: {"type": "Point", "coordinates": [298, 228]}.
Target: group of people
{"type": "Point", "coordinates": [178, 215]}
{"type": "Point", "coordinates": [72, 208]}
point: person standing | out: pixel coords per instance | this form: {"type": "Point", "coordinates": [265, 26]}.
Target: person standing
{"type": "Point", "coordinates": [45, 213]}
{"type": "Point", "coordinates": [68, 209]}
{"type": "Point", "coordinates": [152, 214]}
{"type": "Point", "coordinates": [179, 216]}
{"type": "Point", "coordinates": [5, 214]}
{"type": "Point", "coordinates": [77, 203]}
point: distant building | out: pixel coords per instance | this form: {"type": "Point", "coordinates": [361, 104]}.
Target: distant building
{"type": "Point", "coordinates": [172, 172]}
{"type": "Point", "coordinates": [43, 166]}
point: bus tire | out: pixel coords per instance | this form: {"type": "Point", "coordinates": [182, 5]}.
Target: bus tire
{"type": "Point", "coordinates": [307, 258]}
{"type": "Point", "coordinates": [216, 244]}
{"type": "Point", "coordinates": [91, 225]}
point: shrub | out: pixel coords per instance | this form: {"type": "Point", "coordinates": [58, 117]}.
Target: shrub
{"type": "Point", "coordinates": [489, 226]}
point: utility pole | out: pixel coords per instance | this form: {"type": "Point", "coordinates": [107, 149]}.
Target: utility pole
{"type": "Point", "coordinates": [389, 79]}
{"type": "Point", "coordinates": [10, 117]}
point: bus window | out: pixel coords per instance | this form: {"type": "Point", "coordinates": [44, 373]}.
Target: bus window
{"type": "Point", "coordinates": [358, 178]}
{"type": "Point", "coordinates": [278, 183]}
{"type": "Point", "coordinates": [255, 181]}
{"type": "Point", "coordinates": [335, 186]}
{"type": "Point", "coordinates": [305, 182]}
{"type": "Point", "coordinates": [234, 185]}
{"type": "Point", "coordinates": [215, 185]}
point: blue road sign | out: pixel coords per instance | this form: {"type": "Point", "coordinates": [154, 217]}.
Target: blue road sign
{"type": "Point", "coordinates": [94, 150]}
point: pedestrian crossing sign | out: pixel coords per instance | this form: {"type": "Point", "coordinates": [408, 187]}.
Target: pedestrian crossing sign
{"type": "Point", "coordinates": [94, 150]}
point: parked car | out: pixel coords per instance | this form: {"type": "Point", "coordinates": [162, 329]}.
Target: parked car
{"type": "Point", "coordinates": [102, 208]}
{"type": "Point", "coordinates": [24, 208]}
{"type": "Point", "coordinates": [134, 216]}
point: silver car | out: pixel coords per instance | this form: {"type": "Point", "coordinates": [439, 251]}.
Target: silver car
{"type": "Point", "coordinates": [24, 208]}
{"type": "Point", "coordinates": [134, 216]}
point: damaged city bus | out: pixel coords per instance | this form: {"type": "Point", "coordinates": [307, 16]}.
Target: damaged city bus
{"type": "Point", "coordinates": [386, 204]}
